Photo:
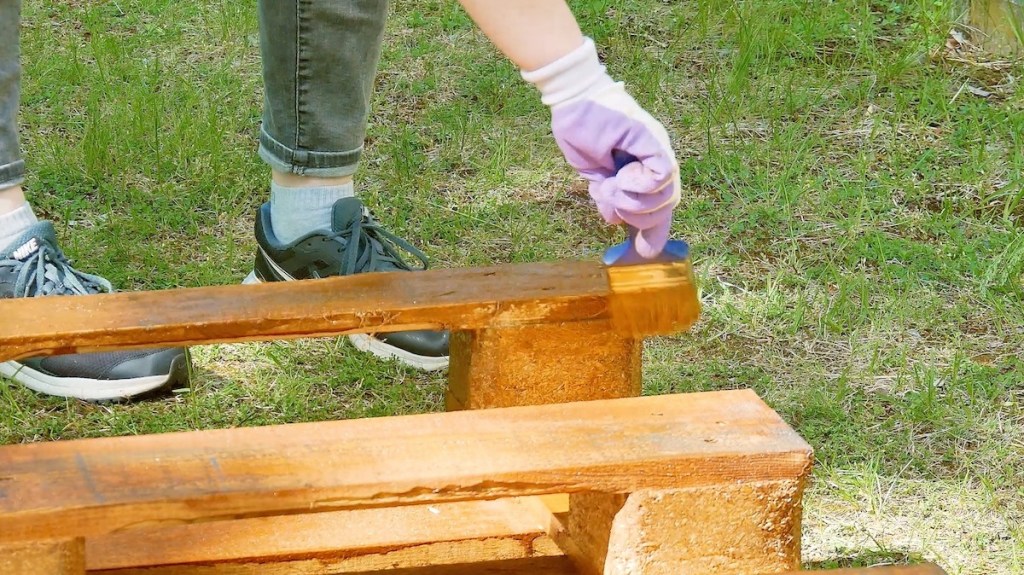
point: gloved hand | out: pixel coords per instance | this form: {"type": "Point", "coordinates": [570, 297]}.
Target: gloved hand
{"type": "Point", "coordinates": [596, 123]}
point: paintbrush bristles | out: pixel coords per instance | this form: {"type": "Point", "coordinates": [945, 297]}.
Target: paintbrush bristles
{"type": "Point", "coordinates": [653, 299]}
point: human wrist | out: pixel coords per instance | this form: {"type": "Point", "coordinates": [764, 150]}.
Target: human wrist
{"type": "Point", "coordinates": [571, 76]}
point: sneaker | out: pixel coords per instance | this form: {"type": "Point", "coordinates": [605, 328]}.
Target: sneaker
{"type": "Point", "coordinates": [34, 266]}
{"type": "Point", "coordinates": [355, 244]}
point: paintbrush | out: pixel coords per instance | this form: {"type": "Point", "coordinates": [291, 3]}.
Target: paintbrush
{"type": "Point", "coordinates": [650, 296]}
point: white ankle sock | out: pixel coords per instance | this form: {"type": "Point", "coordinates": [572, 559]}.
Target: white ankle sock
{"type": "Point", "coordinates": [12, 224]}
{"type": "Point", "coordinates": [295, 212]}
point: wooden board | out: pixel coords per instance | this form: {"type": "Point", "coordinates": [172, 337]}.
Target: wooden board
{"type": "Point", "coordinates": [50, 557]}
{"type": "Point", "coordinates": [95, 486]}
{"type": "Point", "coordinates": [360, 540]}
{"type": "Point", "coordinates": [456, 299]}
{"type": "Point", "coordinates": [549, 565]}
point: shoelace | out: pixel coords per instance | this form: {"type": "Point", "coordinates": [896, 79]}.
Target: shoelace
{"type": "Point", "coordinates": [48, 272]}
{"type": "Point", "coordinates": [372, 248]}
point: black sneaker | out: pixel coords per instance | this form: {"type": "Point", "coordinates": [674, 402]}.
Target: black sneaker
{"type": "Point", "coordinates": [356, 244]}
{"type": "Point", "coordinates": [34, 266]}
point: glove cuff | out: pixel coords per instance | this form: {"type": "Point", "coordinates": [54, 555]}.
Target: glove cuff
{"type": "Point", "coordinates": [569, 77]}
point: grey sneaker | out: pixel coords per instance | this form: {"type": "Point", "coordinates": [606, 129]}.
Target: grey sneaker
{"type": "Point", "coordinates": [33, 266]}
{"type": "Point", "coordinates": [356, 244]}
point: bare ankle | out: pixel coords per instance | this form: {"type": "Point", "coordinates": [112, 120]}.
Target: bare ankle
{"type": "Point", "coordinates": [11, 199]}
{"type": "Point", "coordinates": [296, 181]}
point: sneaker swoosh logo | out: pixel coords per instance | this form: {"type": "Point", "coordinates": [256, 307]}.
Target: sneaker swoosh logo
{"type": "Point", "coordinates": [28, 248]}
{"type": "Point", "coordinates": [277, 269]}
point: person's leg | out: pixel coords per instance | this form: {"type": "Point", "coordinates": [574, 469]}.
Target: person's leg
{"type": "Point", "coordinates": [15, 214]}
{"type": "Point", "coordinates": [319, 63]}
{"type": "Point", "coordinates": [12, 168]}
{"type": "Point", "coordinates": [320, 59]}
{"type": "Point", "coordinates": [32, 265]}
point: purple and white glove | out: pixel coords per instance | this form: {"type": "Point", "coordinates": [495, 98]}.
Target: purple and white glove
{"type": "Point", "coordinates": [596, 122]}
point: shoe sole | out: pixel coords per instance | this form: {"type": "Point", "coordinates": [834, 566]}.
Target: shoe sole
{"type": "Point", "coordinates": [96, 390]}
{"type": "Point", "coordinates": [382, 349]}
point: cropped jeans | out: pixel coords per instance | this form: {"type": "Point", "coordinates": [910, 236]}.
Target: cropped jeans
{"type": "Point", "coordinates": [319, 62]}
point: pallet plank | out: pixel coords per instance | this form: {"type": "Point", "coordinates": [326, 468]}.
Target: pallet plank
{"type": "Point", "coordinates": [95, 486]}
{"type": "Point", "coordinates": [548, 565]}
{"type": "Point", "coordinates": [49, 557]}
{"type": "Point", "coordinates": [456, 299]}
{"type": "Point", "coordinates": [365, 539]}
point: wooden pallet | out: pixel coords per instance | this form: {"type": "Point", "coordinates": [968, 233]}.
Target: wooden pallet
{"type": "Point", "coordinates": [707, 483]}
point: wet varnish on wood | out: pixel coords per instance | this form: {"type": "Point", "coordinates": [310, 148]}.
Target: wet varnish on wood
{"type": "Point", "coordinates": [455, 299]}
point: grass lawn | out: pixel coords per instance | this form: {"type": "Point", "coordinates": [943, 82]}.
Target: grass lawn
{"type": "Point", "coordinates": [853, 197]}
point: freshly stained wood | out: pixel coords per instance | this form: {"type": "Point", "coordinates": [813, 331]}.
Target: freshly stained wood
{"type": "Point", "coordinates": [360, 540]}
{"type": "Point", "coordinates": [95, 486]}
{"type": "Point", "coordinates": [456, 299]}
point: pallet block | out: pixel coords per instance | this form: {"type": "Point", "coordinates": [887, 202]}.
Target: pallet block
{"type": "Point", "coordinates": [743, 527]}
{"type": "Point", "coordinates": [619, 533]}
{"type": "Point", "coordinates": [528, 365]}
{"type": "Point", "coordinates": [134, 492]}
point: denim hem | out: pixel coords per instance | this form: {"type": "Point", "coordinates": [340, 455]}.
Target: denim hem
{"type": "Point", "coordinates": [306, 162]}
{"type": "Point", "coordinates": [12, 174]}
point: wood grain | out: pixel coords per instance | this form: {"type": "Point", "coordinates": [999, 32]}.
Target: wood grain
{"type": "Point", "coordinates": [49, 557]}
{"type": "Point", "coordinates": [95, 486]}
{"type": "Point", "coordinates": [359, 540]}
{"type": "Point", "coordinates": [456, 299]}
{"type": "Point", "coordinates": [546, 565]}
{"type": "Point", "coordinates": [538, 364]}
{"type": "Point", "coordinates": [733, 528]}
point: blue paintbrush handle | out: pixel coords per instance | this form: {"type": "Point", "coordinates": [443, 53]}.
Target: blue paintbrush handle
{"type": "Point", "coordinates": [624, 253]}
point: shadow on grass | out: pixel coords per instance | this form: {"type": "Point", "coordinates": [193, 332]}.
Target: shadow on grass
{"type": "Point", "coordinates": [868, 559]}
